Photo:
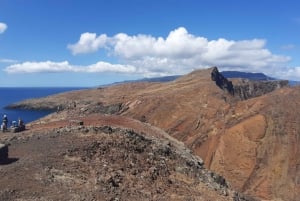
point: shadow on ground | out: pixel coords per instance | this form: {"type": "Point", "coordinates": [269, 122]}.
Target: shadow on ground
{"type": "Point", "coordinates": [8, 161]}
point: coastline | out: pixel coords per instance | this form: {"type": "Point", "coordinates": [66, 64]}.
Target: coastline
{"type": "Point", "coordinates": [11, 102]}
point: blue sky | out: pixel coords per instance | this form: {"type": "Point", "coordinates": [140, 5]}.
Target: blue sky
{"type": "Point", "coordinates": [95, 42]}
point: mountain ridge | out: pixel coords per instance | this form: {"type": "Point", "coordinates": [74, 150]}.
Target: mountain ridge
{"type": "Point", "coordinates": [227, 74]}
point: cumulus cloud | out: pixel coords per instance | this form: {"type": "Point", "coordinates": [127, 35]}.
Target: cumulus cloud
{"type": "Point", "coordinates": [88, 43]}
{"type": "Point", "coordinates": [178, 44]}
{"type": "Point", "coordinates": [38, 67]}
{"type": "Point", "coordinates": [3, 27]}
{"type": "Point", "coordinates": [64, 66]}
{"type": "Point", "coordinates": [179, 52]}
{"type": "Point", "coordinates": [108, 67]}
{"type": "Point", "coordinates": [289, 73]}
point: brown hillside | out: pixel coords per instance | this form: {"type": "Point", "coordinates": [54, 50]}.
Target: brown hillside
{"type": "Point", "coordinates": [108, 158]}
{"type": "Point", "coordinates": [253, 143]}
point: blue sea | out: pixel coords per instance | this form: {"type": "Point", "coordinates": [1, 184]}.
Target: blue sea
{"type": "Point", "coordinates": [12, 95]}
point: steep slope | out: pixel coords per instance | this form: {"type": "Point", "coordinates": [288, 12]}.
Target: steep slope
{"type": "Point", "coordinates": [253, 143]}
{"type": "Point", "coordinates": [259, 149]}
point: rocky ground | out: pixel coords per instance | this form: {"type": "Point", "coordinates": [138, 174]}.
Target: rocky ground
{"type": "Point", "coordinates": [102, 161]}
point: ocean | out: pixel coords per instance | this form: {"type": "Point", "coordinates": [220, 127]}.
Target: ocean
{"type": "Point", "coordinates": [12, 95]}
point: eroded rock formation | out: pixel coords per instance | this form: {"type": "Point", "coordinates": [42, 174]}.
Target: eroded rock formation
{"type": "Point", "coordinates": [221, 81]}
{"type": "Point", "coordinates": [245, 88]}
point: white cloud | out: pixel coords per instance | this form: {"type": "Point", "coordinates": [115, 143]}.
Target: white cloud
{"type": "Point", "coordinates": [88, 43]}
{"type": "Point", "coordinates": [289, 73]}
{"type": "Point", "coordinates": [3, 27]}
{"type": "Point", "coordinates": [249, 55]}
{"type": "Point", "coordinates": [39, 67]}
{"type": "Point", "coordinates": [178, 44]}
{"type": "Point", "coordinates": [108, 67]}
{"type": "Point", "coordinates": [178, 53]}
{"type": "Point", "coordinates": [181, 52]}
{"type": "Point", "coordinates": [57, 67]}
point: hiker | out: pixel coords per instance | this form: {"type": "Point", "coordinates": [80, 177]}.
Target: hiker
{"type": "Point", "coordinates": [20, 123]}
{"type": "Point", "coordinates": [3, 127]}
{"type": "Point", "coordinates": [4, 122]}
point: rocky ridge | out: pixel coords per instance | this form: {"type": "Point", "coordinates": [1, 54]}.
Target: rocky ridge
{"type": "Point", "coordinates": [242, 89]}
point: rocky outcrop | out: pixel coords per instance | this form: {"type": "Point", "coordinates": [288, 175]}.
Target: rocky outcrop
{"type": "Point", "coordinates": [105, 109]}
{"type": "Point", "coordinates": [221, 81]}
{"type": "Point", "coordinates": [246, 89]}
{"type": "Point", "coordinates": [163, 166]}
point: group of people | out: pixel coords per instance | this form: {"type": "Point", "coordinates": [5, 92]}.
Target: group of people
{"type": "Point", "coordinates": [4, 125]}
